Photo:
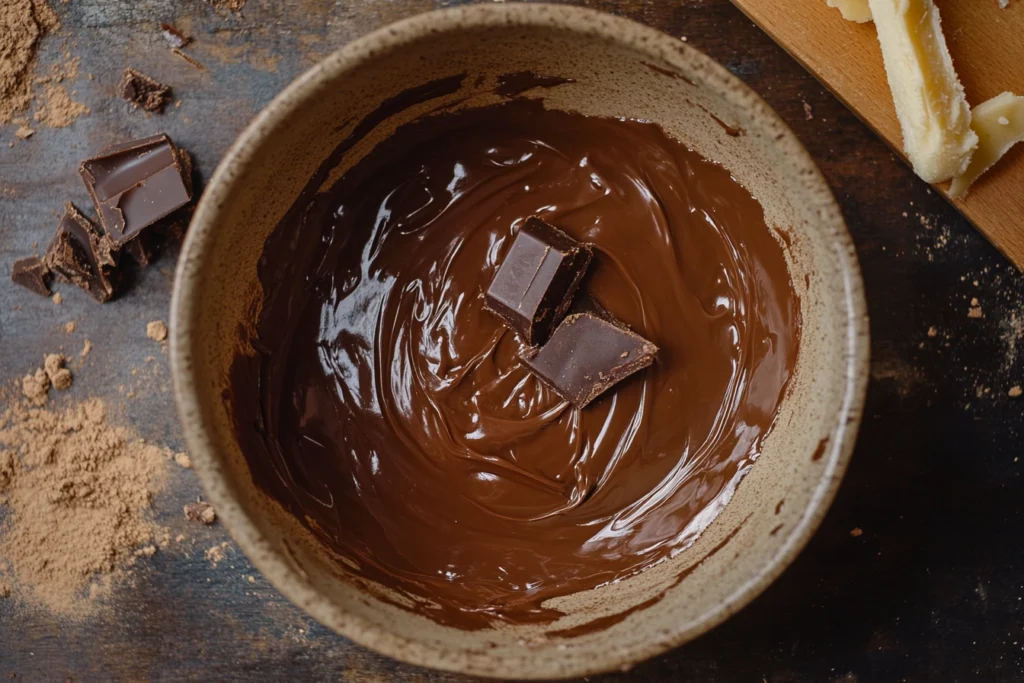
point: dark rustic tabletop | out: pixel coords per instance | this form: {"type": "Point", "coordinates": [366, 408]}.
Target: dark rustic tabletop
{"type": "Point", "coordinates": [917, 573]}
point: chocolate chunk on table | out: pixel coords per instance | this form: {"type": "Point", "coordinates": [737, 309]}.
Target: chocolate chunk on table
{"type": "Point", "coordinates": [79, 254]}
{"type": "Point", "coordinates": [143, 91]}
{"type": "Point", "coordinates": [32, 274]}
{"type": "Point", "coordinates": [587, 355]}
{"type": "Point", "coordinates": [148, 244]}
{"type": "Point", "coordinates": [174, 36]}
{"type": "Point", "coordinates": [534, 285]}
{"type": "Point", "coordinates": [136, 184]}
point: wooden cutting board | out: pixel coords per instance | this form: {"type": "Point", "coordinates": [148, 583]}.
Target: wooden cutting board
{"type": "Point", "coordinates": [987, 44]}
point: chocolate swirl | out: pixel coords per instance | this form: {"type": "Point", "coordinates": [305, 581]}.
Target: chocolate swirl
{"type": "Point", "coordinates": [392, 414]}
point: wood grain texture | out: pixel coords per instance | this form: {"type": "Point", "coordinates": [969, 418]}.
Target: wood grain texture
{"type": "Point", "coordinates": [931, 591]}
{"type": "Point", "coordinates": [987, 44]}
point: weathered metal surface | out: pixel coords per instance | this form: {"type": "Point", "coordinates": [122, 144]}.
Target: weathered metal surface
{"type": "Point", "coordinates": [930, 591]}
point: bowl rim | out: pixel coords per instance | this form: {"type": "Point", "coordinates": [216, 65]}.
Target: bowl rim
{"type": "Point", "coordinates": [186, 298]}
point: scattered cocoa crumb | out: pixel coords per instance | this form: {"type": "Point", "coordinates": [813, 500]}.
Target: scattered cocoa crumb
{"type": "Point", "coordinates": [146, 551]}
{"type": "Point", "coordinates": [856, 531]}
{"type": "Point", "coordinates": [143, 91]}
{"type": "Point", "coordinates": [200, 512]}
{"type": "Point", "coordinates": [230, 5]}
{"type": "Point", "coordinates": [57, 298]}
{"type": "Point", "coordinates": [183, 460]}
{"type": "Point", "coordinates": [808, 111]}
{"type": "Point", "coordinates": [156, 330]}
{"type": "Point", "coordinates": [86, 348]}
{"type": "Point", "coordinates": [215, 555]}
{"type": "Point", "coordinates": [58, 110]}
{"type": "Point", "coordinates": [52, 362]}
{"type": "Point", "coordinates": [1015, 392]}
{"type": "Point", "coordinates": [69, 327]}
{"type": "Point", "coordinates": [975, 310]}
{"type": "Point", "coordinates": [24, 132]}
{"type": "Point", "coordinates": [174, 36]}
{"type": "Point", "coordinates": [251, 578]}
{"type": "Point", "coordinates": [59, 376]}
{"type": "Point", "coordinates": [932, 332]}
{"type": "Point", "coordinates": [179, 538]}
{"type": "Point", "coordinates": [77, 502]}
{"type": "Point", "coordinates": [34, 387]}
{"type": "Point", "coordinates": [61, 380]}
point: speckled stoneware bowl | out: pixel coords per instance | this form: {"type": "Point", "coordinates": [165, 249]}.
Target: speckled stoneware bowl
{"type": "Point", "coordinates": [777, 506]}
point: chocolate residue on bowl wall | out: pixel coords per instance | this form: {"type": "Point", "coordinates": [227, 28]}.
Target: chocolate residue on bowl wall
{"type": "Point", "coordinates": [389, 412]}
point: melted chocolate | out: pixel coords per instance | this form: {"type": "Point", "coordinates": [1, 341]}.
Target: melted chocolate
{"type": "Point", "coordinates": [386, 409]}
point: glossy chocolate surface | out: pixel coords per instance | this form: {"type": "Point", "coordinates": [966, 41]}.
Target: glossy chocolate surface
{"type": "Point", "coordinates": [390, 412]}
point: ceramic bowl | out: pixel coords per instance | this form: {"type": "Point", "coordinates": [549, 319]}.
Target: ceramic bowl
{"type": "Point", "coordinates": [621, 69]}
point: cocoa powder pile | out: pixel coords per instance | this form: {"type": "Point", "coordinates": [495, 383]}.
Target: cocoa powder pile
{"type": "Point", "coordinates": [76, 495]}
{"type": "Point", "coordinates": [22, 24]}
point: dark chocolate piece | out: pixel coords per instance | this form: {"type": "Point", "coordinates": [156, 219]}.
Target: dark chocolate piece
{"type": "Point", "coordinates": [32, 274]}
{"type": "Point", "coordinates": [143, 91]}
{"type": "Point", "coordinates": [143, 249]}
{"type": "Point", "coordinates": [534, 285]}
{"type": "Point", "coordinates": [135, 184]}
{"type": "Point", "coordinates": [587, 355]}
{"type": "Point", "coordinates": [147, 245]}
{"type": "Point", "coordinates": [79, 254]}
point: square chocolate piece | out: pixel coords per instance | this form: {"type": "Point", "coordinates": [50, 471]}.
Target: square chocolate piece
{"type": "Point", "coordinates": [587, 355]}
{"type": "Point", "coordinates": [135, 184]}
{"type": "Point", "coordinates": [534, 285]}
{"type": "Point", "coordinates": [79, 254]}
{"type": "Point", "coordinates": [32, 274]}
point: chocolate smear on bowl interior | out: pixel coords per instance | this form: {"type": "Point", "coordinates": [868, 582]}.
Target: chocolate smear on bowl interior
{"type": "Point", "coordinates": [386, 408]}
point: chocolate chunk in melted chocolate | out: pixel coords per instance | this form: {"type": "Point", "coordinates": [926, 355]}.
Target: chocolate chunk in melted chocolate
{"type": "Point", "coordinates": [535, 283]}
{"type": "Point", "coordinates": [143, 91]}
{"type": "Point", "coordinates": [32, 274]}
{"type": "Point", "coordinates": [587, 355]}
{"type": "Point", "coordinates": [79, 254]}
{"type": "Point", "coordinates": [136, 184]}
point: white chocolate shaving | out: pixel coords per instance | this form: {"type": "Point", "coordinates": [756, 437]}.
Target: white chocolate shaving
{"type": "Point", "coordinates": [852, 10]}
{"type": "Point", "coordinates": [930, 103]}
{"type": "Point", "coordinates": [999, 123]}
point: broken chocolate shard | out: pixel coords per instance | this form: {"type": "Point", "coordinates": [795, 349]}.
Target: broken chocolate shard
{"type": "Point", "coordinates": [79, 254]}
{"type": "Point", "coordinates": [174, 36]}
{"type": "Point", "coordinates": [32, 274]}
{"type": "Point", "coordinates": [143, 91]}
{"type": "Point", "coordinates": [143, 249]}
{"type": "Point", "coordinates": [587, 355]}
{"type": "Point", "coordinates": [535, 283]}
{"type": "Point", "coordinates": [136, 184]}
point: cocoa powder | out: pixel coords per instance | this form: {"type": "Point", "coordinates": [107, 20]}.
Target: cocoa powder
{"type": "Point", "coordinates": [77, 493]}
{"type": "Point", "coordinates": [22, 24]}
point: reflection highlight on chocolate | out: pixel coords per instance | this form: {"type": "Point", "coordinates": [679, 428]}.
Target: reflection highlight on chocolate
{"type": "Point", "coordinates": [384, 407]}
